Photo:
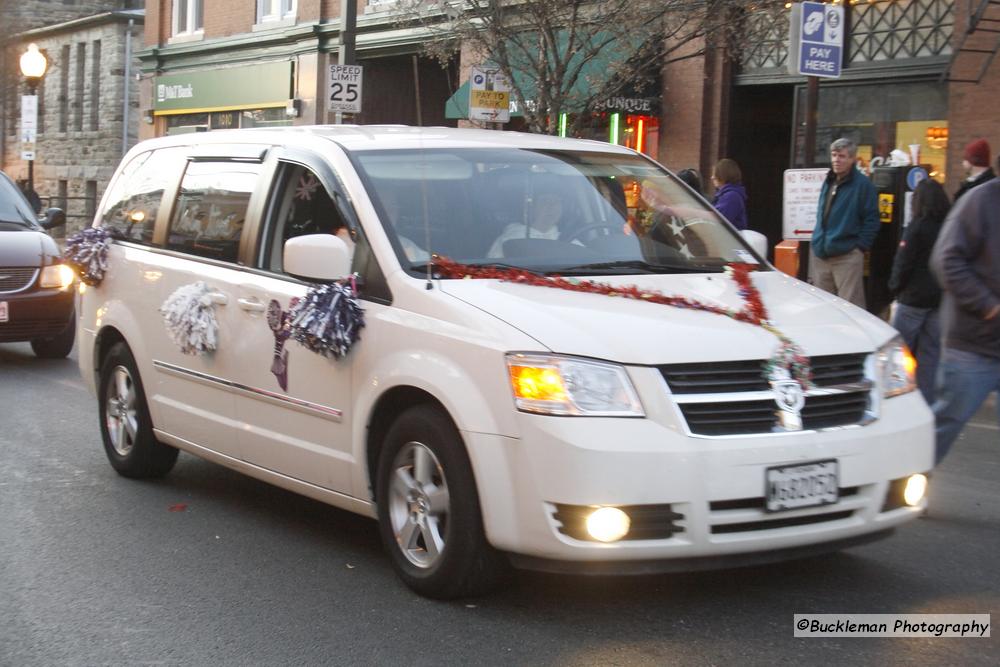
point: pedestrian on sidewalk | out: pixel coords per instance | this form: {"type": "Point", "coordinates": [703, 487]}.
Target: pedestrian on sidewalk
{"type": "Point", "coordinates": [730, 196]}
{"type": "Point", "coordinates": [693, 180]}
{"type": "Point", "coordinates": [846, 226]}
{"type": "Point", "coordinates": [914, 286]}
{"type": "Point", "coordinates": [966, 261]}
{"type": "Point", "coordinates": [976, 165]}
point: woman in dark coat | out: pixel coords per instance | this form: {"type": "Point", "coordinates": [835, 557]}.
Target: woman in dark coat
{"type": "Point", "coordinates": [730, 197]}
{"type": "Point", "coordinates": [917, 292]}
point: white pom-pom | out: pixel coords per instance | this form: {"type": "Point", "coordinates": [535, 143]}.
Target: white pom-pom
{"type": "Point", "coordinates": [189, 314]}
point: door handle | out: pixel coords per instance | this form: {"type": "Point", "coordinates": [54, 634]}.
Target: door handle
{"type": "Point", "coordinates": [218, 298]}
{"type": "Point", "coordinates": [252, 305]}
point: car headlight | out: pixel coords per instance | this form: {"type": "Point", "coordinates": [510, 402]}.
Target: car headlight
{"type": "Point", "coordinates": [554, 385]}
{"type": "Point", "coordinates": [57, 275]}
{"type": "Point", "coordinates": [897, 368]}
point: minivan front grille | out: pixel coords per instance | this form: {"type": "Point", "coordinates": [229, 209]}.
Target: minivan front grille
{"type": "Point", "coordinates": [731, 376]}
{"type": "Point", "coordinates": [745, 417]}
{"type": "Point", "coordinates": [733, 398]}
{"type": "Point", "coordinates": [16, 278]}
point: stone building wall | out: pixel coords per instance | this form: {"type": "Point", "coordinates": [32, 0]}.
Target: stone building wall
{"type": "Point", "coordinates": [80, 116]}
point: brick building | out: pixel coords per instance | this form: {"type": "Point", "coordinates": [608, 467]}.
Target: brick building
{"type": "Point", "coordinates": [231, 63]}
{"type": "Point", "coordinates": [83, 125]}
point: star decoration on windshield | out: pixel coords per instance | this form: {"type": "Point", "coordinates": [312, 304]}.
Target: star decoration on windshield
{"type": "Point", "coordinates": [676, 225]}
{"type": "Point", "coordinates": [684, 250]}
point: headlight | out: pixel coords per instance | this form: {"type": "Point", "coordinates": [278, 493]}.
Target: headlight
{"type": "Point", "coordinates": [552, 385]}
{"type": "Point", "coordinates": [897, 368]}
{"type": "Point", "coordinates": [57, 275]}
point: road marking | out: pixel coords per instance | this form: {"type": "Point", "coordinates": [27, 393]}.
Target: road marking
{"type": "Point", "coordinates": [992, 427]}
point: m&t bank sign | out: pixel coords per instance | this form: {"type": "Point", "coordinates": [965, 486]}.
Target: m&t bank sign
{"type": "Point", "coordinates": [816, 39]}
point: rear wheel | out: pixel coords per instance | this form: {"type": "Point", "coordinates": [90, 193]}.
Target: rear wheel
{"type": "Point", "coordinates": [126, 427]}
{"type": "Point", "coordinates": [57, 347]}
{"type": "Point", "coordinates": [428, 509]}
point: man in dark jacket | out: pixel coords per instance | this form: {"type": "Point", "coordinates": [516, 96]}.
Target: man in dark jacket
{"type": "Point", "coordinates": [846, 226]}
{"type": "Point", "coordinates": [976, 164]}
{"type": "Point", "coordinates": [966, 260]}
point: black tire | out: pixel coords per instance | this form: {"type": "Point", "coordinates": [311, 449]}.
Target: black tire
{"type": "Point", "coordinates": [464, 564]}
{"type": "Point", "coordinates": [126, 427]}
{"type": "Point", "coordinates": [57, 347]}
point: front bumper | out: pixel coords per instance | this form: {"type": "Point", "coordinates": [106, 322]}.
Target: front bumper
{"type": "Point", "coordinates": [44, 313]}
{"type": "Point", "coordinates": [715, 485]}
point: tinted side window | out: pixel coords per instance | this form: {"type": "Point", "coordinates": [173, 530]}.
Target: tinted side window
{"type": "Point", "coordinates": [211, 207]}
{"type": "Point", "coordinates": [134, 200]}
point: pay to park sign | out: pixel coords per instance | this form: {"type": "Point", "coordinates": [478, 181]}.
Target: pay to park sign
{"type": "Point", "coordinates": [816, 39]}
{"type": "Point", "coordinates": [345, 88]}
{"type": "Point", "coordinates": [489, 95]}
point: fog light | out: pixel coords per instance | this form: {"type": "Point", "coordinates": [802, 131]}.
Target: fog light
{"type": "Point", "coordinates": [608, 524]}
{"type": "Point", "coordinates": [916, 487]}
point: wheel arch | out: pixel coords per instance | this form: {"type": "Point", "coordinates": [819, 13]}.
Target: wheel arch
{"type": "Point", "coordinates": [106, 338]}
{"type": "Point", "coordinates": [390, 405]}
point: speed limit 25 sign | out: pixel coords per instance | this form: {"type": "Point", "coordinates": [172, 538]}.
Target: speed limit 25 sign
{"type": "Point", "coordinates": [345, 88]}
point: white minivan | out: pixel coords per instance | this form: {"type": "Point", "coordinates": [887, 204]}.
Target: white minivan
{"type": "Point", "coordinates": [556, 371]}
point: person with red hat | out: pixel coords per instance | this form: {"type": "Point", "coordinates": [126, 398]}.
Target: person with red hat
{"type": "Point", "coordinates": [976, 164]}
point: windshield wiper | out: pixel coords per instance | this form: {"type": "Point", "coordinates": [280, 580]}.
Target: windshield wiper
{"type": "Point", "coordinates": [635, 264]}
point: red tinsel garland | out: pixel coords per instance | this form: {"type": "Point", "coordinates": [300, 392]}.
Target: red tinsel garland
{"type": "Point", "coordinates": [788, 357]}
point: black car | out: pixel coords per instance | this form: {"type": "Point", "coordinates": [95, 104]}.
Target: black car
{"type": "Point", "coordinates": [36, 287]}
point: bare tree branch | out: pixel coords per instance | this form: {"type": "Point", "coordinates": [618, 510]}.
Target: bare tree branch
{"type": "Point", "coordinates": [569, 55]}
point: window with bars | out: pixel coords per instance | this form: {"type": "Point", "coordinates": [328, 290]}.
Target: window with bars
{"type": "Point", "coordinates": [900, 29]}
{"type": "Point", "coordinates": [880, 30]}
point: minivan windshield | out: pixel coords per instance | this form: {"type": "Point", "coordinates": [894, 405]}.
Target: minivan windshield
{"type": "Point", "coordinates": [546, 211]}
{"type": "Point", "coordinates": [15, 211]}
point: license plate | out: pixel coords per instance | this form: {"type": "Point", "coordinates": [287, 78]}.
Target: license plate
{"type": "Point", "coordinates": [4, 312]}
{"type": "Point", "coordinates": [802, 485]}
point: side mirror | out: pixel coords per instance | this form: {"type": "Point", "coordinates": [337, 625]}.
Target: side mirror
{"type": "Point", "coordinates": [756, 240]}
{"type": "Point", "coordinates": [54, 217]}
{"type": "Point", "coordinates": [317, 257]}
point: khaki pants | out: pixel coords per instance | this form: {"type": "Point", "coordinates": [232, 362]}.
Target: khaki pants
{"type": "Point", "coordinates": [842, 275]}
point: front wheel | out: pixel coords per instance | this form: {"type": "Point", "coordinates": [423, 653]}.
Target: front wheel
{"type": "Point", "coordinates": [428, 509]}
{"type": "Point", "coordinates": [57, 347]}
{"type": "Point", "coordinates": [126, 427]}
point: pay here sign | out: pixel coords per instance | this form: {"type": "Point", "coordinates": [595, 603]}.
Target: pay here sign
{"type": "Point", "coordinates": [817, 38]}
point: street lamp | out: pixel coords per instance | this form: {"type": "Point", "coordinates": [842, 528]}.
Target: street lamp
{"type": "Point", "coordinates": [33, 66]}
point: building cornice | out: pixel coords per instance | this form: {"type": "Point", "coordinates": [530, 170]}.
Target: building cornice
{"type": "Point", "coordinates": [120, 16]}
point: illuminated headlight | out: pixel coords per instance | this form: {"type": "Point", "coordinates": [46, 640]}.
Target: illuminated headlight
{"type": "Point", "coordinates": [608, 524]}
{"type": "Point", "coordinates": [57, 275]}
{"type": "Point", "coordinates": [916, 487]}
{"type": "Point", "coordinates": [897, 368]}
{"type": "Point", "coordinates": [553, 385]}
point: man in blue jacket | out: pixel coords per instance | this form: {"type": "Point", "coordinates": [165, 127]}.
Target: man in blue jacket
{"type": "Point", "coordinates": [846, 226]}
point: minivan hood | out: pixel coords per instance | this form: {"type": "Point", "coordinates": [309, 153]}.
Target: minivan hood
{"type": "Point", "coordinates": [27, 248]}
{"type": "Point", "coordinates": [633, 332]}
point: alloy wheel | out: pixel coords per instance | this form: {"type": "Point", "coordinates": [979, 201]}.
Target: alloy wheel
{"type": "Point", "coordinates": [120, 411]}
{"type": "Point", "coordinates": [419, 504]}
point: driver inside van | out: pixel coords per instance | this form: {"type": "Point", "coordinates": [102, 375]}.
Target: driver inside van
{"type": "Point", "coordinates": [546, 210]}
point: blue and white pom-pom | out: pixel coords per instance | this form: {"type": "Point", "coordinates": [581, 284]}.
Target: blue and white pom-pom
{"type": "Point", "coordinates": [189, 314]}
{"type": "Point", "coordinates": [87, 252]}
{"type": "Point", "coordinates": [328, 320]}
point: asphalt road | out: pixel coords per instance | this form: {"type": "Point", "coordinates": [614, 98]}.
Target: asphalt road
{"type": "Point", "coordinates": [207, 567]}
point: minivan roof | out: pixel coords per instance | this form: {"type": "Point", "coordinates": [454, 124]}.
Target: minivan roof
{"type": "Point", "coordinates": [380, 137]}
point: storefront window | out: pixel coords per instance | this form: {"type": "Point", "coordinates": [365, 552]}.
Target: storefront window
{"type": "Point", "coordinates": [226, 120]}
{"type": "Point", "coordinates": [636, 131]}
{"type": "Point", "coordinates": [879, 117]}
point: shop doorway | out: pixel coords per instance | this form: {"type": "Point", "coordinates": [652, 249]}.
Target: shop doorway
{"type": "Point", "coordinates": [760, 141]}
